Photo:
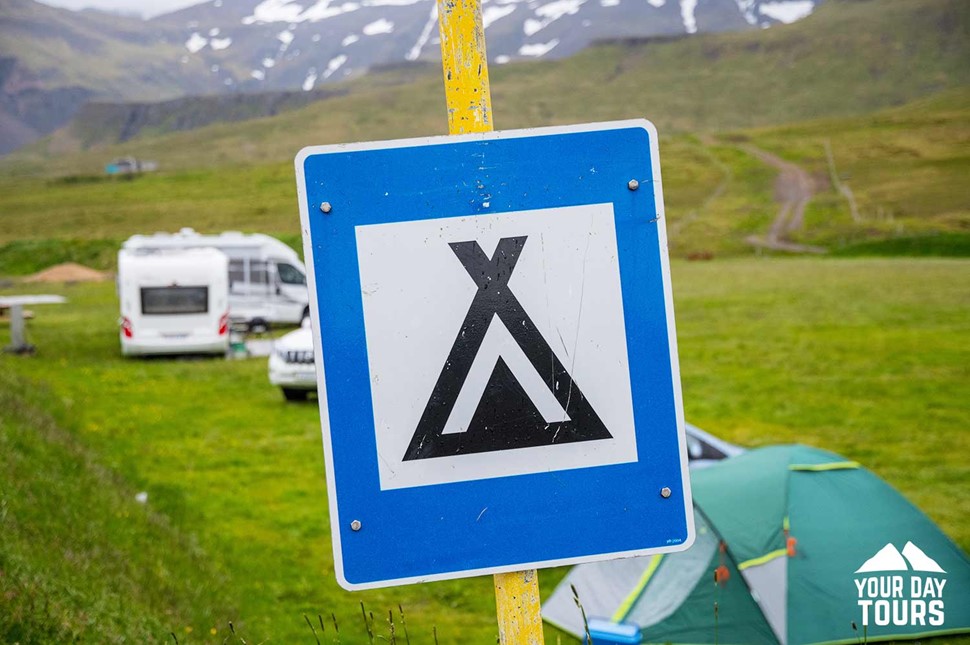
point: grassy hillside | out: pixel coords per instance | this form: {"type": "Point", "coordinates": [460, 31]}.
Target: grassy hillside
{"type": "Point", "coordinates": [902, 173]}
{"type": "Point", "coordinates": [854, 356]}
{"type": "Point", "coordinates": [48, 220]}
{"type": "Point", "coordinates": [848, 58]}
{"type": "Point", "coordinates": [906, 168]}
{"type": "Point", "coordinates": [902, 169]}
{"type": "Point", "coordinates": [81, 560]}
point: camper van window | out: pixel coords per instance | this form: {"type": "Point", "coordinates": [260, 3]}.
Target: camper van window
{"type": "Point", "coordinates": [174, 300]}
{"type": "Point", "coordinates": [237, 271]}
{"type": "Point", "coordinates": [289, 274]}
{"type": "Point", "coordinates": [258, 272]}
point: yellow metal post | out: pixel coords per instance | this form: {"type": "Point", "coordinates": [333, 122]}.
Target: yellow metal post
{"type": "Point", "coordinates": [465, 68]}
{"type": "Point", "coordinates": [517, 605]}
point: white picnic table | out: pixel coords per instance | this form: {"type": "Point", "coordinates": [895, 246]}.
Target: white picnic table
{"type": "Point", "coordinates": [18, 343]}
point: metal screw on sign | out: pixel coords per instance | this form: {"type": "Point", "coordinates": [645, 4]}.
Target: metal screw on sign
{"type": "Point", "coordinates": [355, 525]}
{"type": "Point", "coordinates": [633, 184]}
{"type": "Point", "coordinates": [326, 207]}
{"type": "Point", "coordinates": [665, 492]}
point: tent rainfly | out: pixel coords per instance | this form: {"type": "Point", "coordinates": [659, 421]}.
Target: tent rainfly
{"type": "Point", "coordinates": [794, 546]}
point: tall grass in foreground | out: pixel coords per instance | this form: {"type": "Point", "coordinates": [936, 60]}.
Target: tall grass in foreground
{"type": "Point", "coordinates": [868, 358]}
{"type": "Point", "coordinates": [80, 558]}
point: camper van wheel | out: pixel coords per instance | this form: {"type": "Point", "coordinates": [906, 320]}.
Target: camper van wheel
{"type": "Point", "coordinates": [294, 395]}
{"type": "Point", "coordinates": [258, 326]}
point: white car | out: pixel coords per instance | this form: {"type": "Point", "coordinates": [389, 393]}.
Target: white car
{"type": "Point", "coordinates": [291, 364]}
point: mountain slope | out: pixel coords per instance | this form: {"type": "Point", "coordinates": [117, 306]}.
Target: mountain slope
{"type": "Point", "coordinates": [52, 60]}
{"type": "Point", "coordinates": [280, 44]}
{"type": "Point", "coordinates": [285, 44]}
{"type": "Point", "coordinates": [111, 56]}
{"type": "Point", "coordinates": [101, 122]}
{"type": "Point", "coordinates": [28, 111]}
{"type": "Point", "coordinates": [848, 58]}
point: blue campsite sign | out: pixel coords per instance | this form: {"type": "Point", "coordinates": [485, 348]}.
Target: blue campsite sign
{"type": "Point", "coordinates": [495, 350]}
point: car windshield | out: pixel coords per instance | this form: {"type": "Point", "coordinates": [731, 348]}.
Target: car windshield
{"type": "Point", "coordinates": [289, 274]}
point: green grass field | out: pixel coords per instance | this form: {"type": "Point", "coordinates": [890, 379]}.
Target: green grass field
{"type": "Point", "coordinates": [80, 557]}
{"type": "Point", "coordinates": [865, 357]}
{"type": "Point", "coordinates": [865, 351]}
{"type": "Point", "coordinates": [855, 356]}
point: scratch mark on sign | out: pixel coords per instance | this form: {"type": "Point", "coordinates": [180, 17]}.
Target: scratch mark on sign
{"type": "Point", "coordinates": [579, 317]}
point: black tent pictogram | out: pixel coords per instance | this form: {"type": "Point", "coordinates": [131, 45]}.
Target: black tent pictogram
{"type": "Point", "coordinates": [506, 418]}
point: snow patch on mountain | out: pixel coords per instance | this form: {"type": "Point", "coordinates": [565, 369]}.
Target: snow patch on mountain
{"type": "Point", "coordinates": [789, 11]}
{"type": "Point", "coordinates": [323, 10]}
{"type": "Point", "coordinates": [268, 62]}
{"type": "Point", "coordinates": [291, 12]}
{"type": "Point", "coordinates": [415, 52]}
{"type": "Point", "coordinates": [196, 43]}
{"type": "Point", "coordinates": [538, 49]}
{"type": "Point", "coordinates": [549, 13]}
{"type": "Point", "coordinates": [220, 43]}
{"type": "Point", "coordinates": [334, 64]}
{"type": "Point", "coordinates": [381, 26]}
{"type": "Point", "coordinates": [310, 80]}
{"type": "Point", "coordinates": [274, 11]}
{"type": "Point", "coordinates": [491, 13]}
{"type": "Point", "coordinates": [687, 8]}
{"type": "Point", "coordinates": [258, 74]}
{"type": "Point", "coordinates": [746, 7]}
{"type": "Point", "coordinates": [391, 3]}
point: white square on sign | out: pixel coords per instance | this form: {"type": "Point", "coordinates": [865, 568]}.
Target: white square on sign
{"type": "Point", "coordinates": [528, 369]}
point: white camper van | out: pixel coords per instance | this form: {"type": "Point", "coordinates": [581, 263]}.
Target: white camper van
{"type": "Point", "coordinates": [174, 301]}
{"type": "Point", "coordinates": [267, 281]}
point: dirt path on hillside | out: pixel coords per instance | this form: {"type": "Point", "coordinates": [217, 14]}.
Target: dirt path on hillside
{"type": "Point", "coordinates": [793, 188]}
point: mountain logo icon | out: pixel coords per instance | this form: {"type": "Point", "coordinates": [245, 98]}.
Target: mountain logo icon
{"type": "Point", "coordinates": [889, 558]}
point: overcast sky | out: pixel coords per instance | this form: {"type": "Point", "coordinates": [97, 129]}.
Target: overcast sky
{"type": "Point", "coordinates": [143, 8]}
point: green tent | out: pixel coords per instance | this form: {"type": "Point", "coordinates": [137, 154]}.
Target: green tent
{"type": "Point", "coordinates": [794, 545]}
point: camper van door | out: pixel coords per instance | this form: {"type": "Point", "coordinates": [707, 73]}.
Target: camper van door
{"type": "Point", "coordinates": [267, 290]}
{"type": "Point", "coordinates": [290, 290]}
{"type": "Point", "coordinates": [250, 292]}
